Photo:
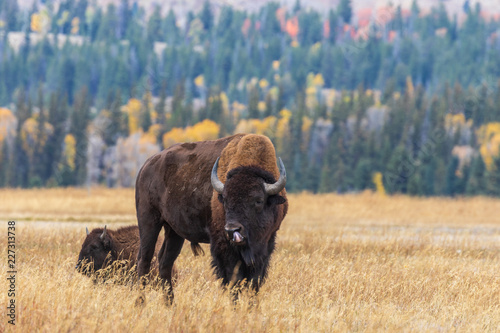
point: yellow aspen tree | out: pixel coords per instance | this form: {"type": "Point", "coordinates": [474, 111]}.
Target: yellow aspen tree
{"type": "Point", "coordinates": [69, 151]}
{"type": "Point", "coordinates": [379, 184]}
{"type": "Point", "coordinates": [488, 137]}
{"type": "Point", "coordinates": [75, 25]}
{"type": "Point", "coordinates": [283, 135]}
{"type": "Point", "coordinates": [306, 132]}
{"type": "Point", "coordinates": [205, 130]}
{"type": "Point", "coordinates": [8, 123]}
{"type": "Point", "coordinates": [35, 23]}
{"type": "Point", "coordinates": [133, 110]}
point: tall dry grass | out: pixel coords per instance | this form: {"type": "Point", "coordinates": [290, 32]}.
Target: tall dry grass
{"type": "Point", "coordinates": [343, 263]}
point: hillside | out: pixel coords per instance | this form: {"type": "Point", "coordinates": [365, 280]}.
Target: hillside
{"type": "Point", "coordinates": [407, 102]}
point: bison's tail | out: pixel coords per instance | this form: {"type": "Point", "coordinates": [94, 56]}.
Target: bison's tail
{"type": "Point", "coordinates": [197, 249]}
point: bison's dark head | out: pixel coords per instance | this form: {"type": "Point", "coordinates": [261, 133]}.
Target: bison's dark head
{"type": "Point", "coordinates": [96, 251]}
{"type": "Point", "coordinates": [250, 198]}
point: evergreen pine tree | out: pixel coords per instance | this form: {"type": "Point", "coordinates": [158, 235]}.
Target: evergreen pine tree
{"type": "Point", "coordinates": [476, 183]}
{"type": "Point", "coordinates": [339, 177]}
{"type": "Point", "coordinates": [115, 127]}
{"type": "Point", "coordinates": [299, 157]}
{"type": "Point", "coordinates": [333, 22]}
{"type": "Point", "coordinates": [280, 101]}
{"type": "Point", "coordinates": [428, 178]}
{"type": "Point", "coordinates": [312, 177]}
{"type": "Point", "coordinates": [451, 177]}
{"type": "Point", "coordinates": [79, 122]}
{"type": "Point", "coordinates": [399, 170]}
{"type": "Point", "coordinates": [253, 103]}
{"type": "Point", "coordinates": [331, 162]}
{"type": "Point", "coordinates": [206, 16]}
{"type": "Point", "coordinates": [37, 176]}
{"type": "Point", "coordinates": [363, 175]}
{"type": "Point", "coordinates": [20, 166]}
{"type": "Point", "coordinates": [462, 179]}
{"type": "Point", "coordinates": [345, 10]}
{"type": "Point", "coordinates": [154, 29]}
{"type": "Point", "coordinates": [325, 183]}
{"type": "Point", "coordinates": [53, 149]}
{"type": "Point", "coordinates": [215, 107]}
{"type": "Point", "coordinates": [145, 112]}
{"type": "Point", "coordinates": [269, 106]}
{"type": "Point", "coordinates": [440, 176]}
{"type": "Point", "coordinates": [297, 6]}
{"type": "Point", "coordinates": [415, 184]}
{"type": "Point", "coordinates": [177, 107]}
{"type": "Point", "coordinates": [160, 111]}
{"type": "Point", "coordinates": [415, 10]}
{"type": "Point", "coordinates": [170, 27]}
{"type": "Point", "coordinates": [4, 164]}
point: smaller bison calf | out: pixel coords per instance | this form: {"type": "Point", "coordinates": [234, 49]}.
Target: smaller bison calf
{"type": "Point", "coordinates": [104, 247]}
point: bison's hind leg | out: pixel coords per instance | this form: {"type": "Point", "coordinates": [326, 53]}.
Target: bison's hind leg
{"type": "Point", "coordinates": [171, 249]}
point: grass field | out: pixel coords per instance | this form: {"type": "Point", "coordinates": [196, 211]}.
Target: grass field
{"type": "Point", "coordinates": [343, 263]}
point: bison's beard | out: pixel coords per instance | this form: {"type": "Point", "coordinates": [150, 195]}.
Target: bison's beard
{"type": "Point", "coordinates": [247, 256]}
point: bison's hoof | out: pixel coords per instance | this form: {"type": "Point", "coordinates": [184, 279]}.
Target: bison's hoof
{"type": "Point", "coordinates": [140, 300]}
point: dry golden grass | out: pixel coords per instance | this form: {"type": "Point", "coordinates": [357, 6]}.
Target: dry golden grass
{"type": "Point", "coordinates": [68, 204]}
{"type": "Point", "coordinates": [343, 263]}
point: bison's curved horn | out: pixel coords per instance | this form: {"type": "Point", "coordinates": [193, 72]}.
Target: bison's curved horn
{"type": "Point", "coordinates": [87, 230]}
{"type": "Point", "coordinates": [216, 183]}
{"type": "Point", "coordinates": [272, 189]}
{"type": "Point", "coordinates": [103, 233]}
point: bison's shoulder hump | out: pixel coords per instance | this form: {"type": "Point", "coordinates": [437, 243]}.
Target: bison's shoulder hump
{"type": "Point", "coordinates": [249, 150]}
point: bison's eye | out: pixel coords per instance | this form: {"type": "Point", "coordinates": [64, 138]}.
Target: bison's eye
{"type": "Point", "coordinates": [259, 204]}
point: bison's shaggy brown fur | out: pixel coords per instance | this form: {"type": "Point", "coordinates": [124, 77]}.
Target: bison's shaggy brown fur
{"type": "Point", "coordinates": [174, 192]}
{"type": "Point", "coordinates": [121, 245]}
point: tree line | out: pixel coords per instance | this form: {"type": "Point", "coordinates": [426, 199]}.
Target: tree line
{"type": "Point", "coordinates": [410, 102]}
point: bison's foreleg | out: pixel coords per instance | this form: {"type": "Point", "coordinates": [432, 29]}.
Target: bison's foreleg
{"type": "Point", "coordinates": [149, 237]}
{"type": "Point", "coordinates": [171, 247]}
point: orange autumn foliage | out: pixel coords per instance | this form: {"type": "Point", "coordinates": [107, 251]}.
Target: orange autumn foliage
{"type": "Point", "coordinates": [292, 27]}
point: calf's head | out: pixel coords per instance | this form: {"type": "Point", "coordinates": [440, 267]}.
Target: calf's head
{"type": "Point", "coordinates": [95, 250]}
{"type": "Point", "coordinates": [250, 198]}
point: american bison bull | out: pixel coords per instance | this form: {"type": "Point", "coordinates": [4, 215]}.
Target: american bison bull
{"type": "Point", "coordinates": [222, 192]}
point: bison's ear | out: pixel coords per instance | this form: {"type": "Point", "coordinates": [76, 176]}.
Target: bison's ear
{"type": "Point", "coordinates": [221, 199]}
{"type": "Point", "coordinates": [276, 200]}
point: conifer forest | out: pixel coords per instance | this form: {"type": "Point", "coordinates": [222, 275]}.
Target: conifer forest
{"type": "Point", "coordinates": [406, 101]}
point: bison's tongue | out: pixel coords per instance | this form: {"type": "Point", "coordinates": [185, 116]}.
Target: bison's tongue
{"type": "Point", "coordinates": [237, 238]}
